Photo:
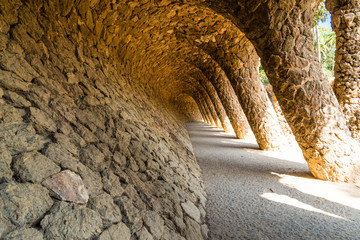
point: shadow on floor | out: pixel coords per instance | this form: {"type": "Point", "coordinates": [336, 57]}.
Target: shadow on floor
{"type": "Point", "coordinates": [257, 196]}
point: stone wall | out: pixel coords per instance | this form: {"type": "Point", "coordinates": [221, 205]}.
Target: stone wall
{"type": "Point", "coordinates": [188, 110]}
{"type": "Point", "coordinates": [85, 152]}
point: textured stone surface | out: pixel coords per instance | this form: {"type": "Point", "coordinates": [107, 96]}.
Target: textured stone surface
{"type": "Point", "coordinates": [25, 234]}
{"type": "Point", "coordinates": [61, 156]}
{"type": "Point", "coordinates": [144, 234]}
{"type": "Point", "coordinates": [71, 221]}
{"type": "Point", "coordinates": [92, 157]}
{"type": "Point", "coordinates": [16, 99]}
{"type": "Point", "coordinates": [154, 223]}
{"type": "Point", "coordinates": [95, 87]}
{"type": "Point", "coordinates": [193, 230]}
{"type": "Point", "coordinates": [5, 226]}
{"type": "Point", "coordinates": [42, 122]}
{"type": "Point", "coordinates": [104, 204]}
{"type": "Point", "coordinates": [130, 213]}
{"type": "Point", "coordinates": [5, 165]}
{"type": "Point", "coordinates": [191, 210]}
{"type": "Point", "coordinates": [119, 231]}
{"type": "Point", "coordinates": [309, 105]}
{"type": "Point", "coordinates": [345, 23]}
{"type": "Point", "coordinates": [111, 183]}
{"type": "Point", "coordinates": [19, 138]}
{"type": "Point", "coordinates": [34, 167]}
{"type": "Point", "coordinates": [67, 186]}
{"type": "Point", "coordinates": [24, 204]}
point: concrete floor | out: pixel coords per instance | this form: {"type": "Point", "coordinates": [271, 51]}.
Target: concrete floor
{"type": "Point", "coordinates": [253, 194]}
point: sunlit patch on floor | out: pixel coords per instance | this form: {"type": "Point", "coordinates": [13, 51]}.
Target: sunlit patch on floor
{"type": "Point", "coordinates": [296, 203]}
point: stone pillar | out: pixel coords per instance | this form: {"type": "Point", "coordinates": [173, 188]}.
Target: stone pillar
{"type": "Point", "coordinates": [204, 98]}
{"type": "Point", "coordinates": [206, 110]}
{"type": "Point", "coordinates": [217, 103]}
{"type": "Point", "coordinates": [202, 111]}
{"type": "Point", "coordinates": [209, 107]}
{"type": "Point", "coordinates": [232, 106]}
{"type": "Point", "coordinates": [240, 64]}
{"type": "Point", "coordinates": [281, 34]}
{"type": "Point", "coordinates": [309, 104]}
{"type": "Point", "coordinates": [244, 77]}
{"type": "Point", "coordinates": [227, 97]}
{"type": "Point", "coordinates": [288, 134]}
{"type": "Point", "coordinates": [346, 25]}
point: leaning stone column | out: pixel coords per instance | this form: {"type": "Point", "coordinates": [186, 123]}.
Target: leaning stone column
{"type": "Point", "coordinates": [209, 105]}
{"type": "Point", "coordinates": [202, 111]}
{"type": "Point", "coordinates": [217, 103]}
{"type": "Point", "coordinates": [207, 111]}
{"type": "Point", "coordinates": [240, 64]}
{"type": "Point", "coordinates": [232, 106]}
{"type": "Point", "coordinates": [213, 111]}
{"type": "Point", "coordinates": [346, 25]}
{"type": "Point", "coordinates": [227, 97]}
{"type": "Point", "coordinates": [281, 34]}
{"type": "Point", "coordinates": [245, 79]}
{"type": "Point", "coordinates": [209, 108]}
{"type": "Point", "coordinates": [309, 104]}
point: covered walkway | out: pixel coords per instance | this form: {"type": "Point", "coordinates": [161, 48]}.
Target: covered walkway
{"type": "Point", "coordinates": [253, 194]}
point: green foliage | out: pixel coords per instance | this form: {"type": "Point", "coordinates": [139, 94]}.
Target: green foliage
{"type": "Point", "coordinates": [263, 77]}
{"type": "Point", "coordinates": [327, 42]}
{"type": "Point", "coordinates": [321, 14]}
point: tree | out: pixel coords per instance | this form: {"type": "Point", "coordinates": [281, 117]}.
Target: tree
{"type": "Point", "coordinates": [327, 44]}
{"type": "Point", "coordinates": [320, 16]}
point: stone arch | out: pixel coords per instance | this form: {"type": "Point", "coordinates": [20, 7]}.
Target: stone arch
{"type": "Point", "coordinates": [89, 91]}
{"type": "Point", "coordinates": [267, 138]}
{"type": "Point", "coordinates": [237, 57]}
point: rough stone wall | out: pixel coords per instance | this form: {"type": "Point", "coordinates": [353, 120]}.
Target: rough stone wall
{"type": "Point", "coordinates": [187, 109]}
{"type": "Point", "coordinates": [67, 110]}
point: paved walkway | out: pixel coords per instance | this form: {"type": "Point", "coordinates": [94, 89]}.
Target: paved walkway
{"type": "Point", "coordinates": [253, 194]}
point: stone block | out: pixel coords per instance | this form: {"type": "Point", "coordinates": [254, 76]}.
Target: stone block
{"type": "Point", "coordinates": [25, 234]}
{"type": "Point", "coordinates": [109, 211]}
{"type": "Point", "coordinates": [34, 167]}
{"type": "Point", "coordinates": [92, 157]}
{"type": "Point", "coordinates": [61, 156]}
{"type": "Point", "coordinates": [154, 223]}
{"type": "Point", "coordinates": [67, 186]}
{"type": "Point", "coordinates": [5, 166]}
{"type": "Point", "coordinates": [119, 232]}
{"type": "Point", "coordinates": [191, 210]}
{"type": "Point", "coordinates": [23, 204]}
{"type": "Point", "coordinates": [19, 138]}
{"type": "Point", "coordinates": [16, 99]}
{"type": "Point", "coordinates": [91, 179]}
{"type": "Point", "coordinates": [71, 221]}
{"type": "Point", "coordinates": [112, 183]}
{"type": "Point", "coordinates": [42, 121]}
